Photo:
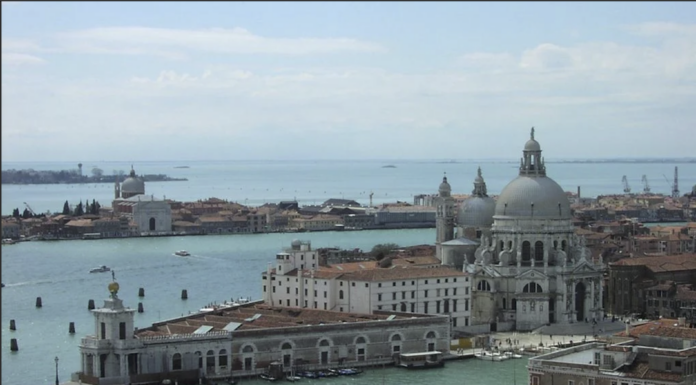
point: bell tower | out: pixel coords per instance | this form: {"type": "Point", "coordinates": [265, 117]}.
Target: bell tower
{"type": "Point", "coordinates": [444, 217]}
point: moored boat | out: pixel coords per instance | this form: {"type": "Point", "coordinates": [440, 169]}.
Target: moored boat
{"type": "Point", "coordinates": [100, 269]}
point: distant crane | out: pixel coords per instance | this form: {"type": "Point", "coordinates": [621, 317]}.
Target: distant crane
{"type": "Point", "coordinates": [29, 208]}
{"type": "Point", "coordinates": [646, 185]}
{"type": "Point", "coordinates": [627, 188]}
{"type": "Point", "coordinates": [371, 194]}
{"type": "Point", "coordinates": [675, 186]}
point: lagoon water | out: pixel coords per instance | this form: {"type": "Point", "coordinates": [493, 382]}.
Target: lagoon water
{"type": "Point", "coordinates": [312, 182]}
{"type": "Point", "coordinates": [229, 266]}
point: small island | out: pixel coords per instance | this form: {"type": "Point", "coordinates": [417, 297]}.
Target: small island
{"type": "Point", "coordinates": [389, 166]}
{"type": "Point", "coordinates": [30, 176]}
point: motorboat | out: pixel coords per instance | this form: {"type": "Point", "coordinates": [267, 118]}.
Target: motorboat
{"type": "Point", "coordinates": [512, 355]}
{"type": "Point", "coordinates": [346, 371]}
{"type": "Point", "coordinates": [267, 377]}
{"type": "Point", "coordinates": [100, 269]}
{"type": "Point", "coordinates": [182, 253]}
{"type": "Point", "coordinates": [490, 356]}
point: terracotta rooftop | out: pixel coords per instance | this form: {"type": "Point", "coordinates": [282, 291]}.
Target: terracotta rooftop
{"type": "Point", "coordinates": [662, 263]}
{"type": "Point", "coordinates": [270, 317]}
{"type": "Point", "coordinates": [663, 328]}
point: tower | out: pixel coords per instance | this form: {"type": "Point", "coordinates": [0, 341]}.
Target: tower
{"type": "Point", "coordinates": [117, 187]}
{"type": "Point", "coordinates": [113, 329]}
{"type": "Point", "coordinates": [444, 217]}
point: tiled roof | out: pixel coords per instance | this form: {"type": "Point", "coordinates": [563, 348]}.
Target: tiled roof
{"type": "Point", "coordinates": [662, 328]}
{"type": "Point", "coordinates": [270, 317]}
{"type": "Point", "coordinates": [662, 263]}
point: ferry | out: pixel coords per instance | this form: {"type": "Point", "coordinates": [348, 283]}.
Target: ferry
{"type": "Point", "coordinates": [421, 360]}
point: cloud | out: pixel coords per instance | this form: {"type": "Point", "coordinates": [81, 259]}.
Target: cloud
{"type": "Point", "coordinates": [178, 43]}
{"type": "Point", "coordinates": [585, 90]}
{"type": "Point", "coordinates": [20, 59]}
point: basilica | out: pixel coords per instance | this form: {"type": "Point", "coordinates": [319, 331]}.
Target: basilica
{"type": "Point", "coordinates": [528, 266]}
{"type": "Point", "coordinates": [151, 216]}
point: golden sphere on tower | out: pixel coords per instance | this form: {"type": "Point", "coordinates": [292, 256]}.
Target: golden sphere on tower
{"type": "Point", "coordinates": [113, 287]}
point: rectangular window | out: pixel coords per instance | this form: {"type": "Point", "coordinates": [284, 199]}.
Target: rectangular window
{"type": "Point", "coordinates": [379, 285]}
{"type": "Point", "coordinates": [413, 307]}
{"type": "Point", "coordinates": [413, 294]}
{"type": "Point", "coordinates": [425, 293]}
{"type": "Point", "coordinates": [454, 291]}
{"type": "Point", "coordinates": [379, 307]}
{"type": "Point", "coordinates": [121, 330]}
{"type": "Point", "coordinates": [426, 281]}
{"type": "Point", "coordinates": [367, 285]}
{"type": "Point", "coordinates": [466, 291]}
{"type": "Point", "coordinates": [425, 307]}
{"type": "Point", "coordinates": [535, 380]}
{"type": "Point", "coordinates": [668, 366]}
{"type": "Point", "coordinates": [394, 307]}
{"type": "Point", "coordinates": [274, 289]}
{"type": "Point", "coordinates": [571, 382]}
{"type": "Point", "coordinates": [103, 331]}
{"type": "Point", "coordinates": [353, 284]}
{"type": "Point", "coordinates": [393, 295]}
{"type": "Point", "coordinates": [438, 280]}
{"type": "Point", "coordinates": [393, 283]}
{"type": "Point", "coordinates": [287, 290]}
{"type": "Point", "coordinates": [324, 294]}
{"type": "Point", "coordinates": [446, 292]}
{"type": "Point", "coordinates": [379, 297]}
{"type": "Point", "coordinates": [590, 381]}
{"type": "Point", "coordinates": [403, 295]}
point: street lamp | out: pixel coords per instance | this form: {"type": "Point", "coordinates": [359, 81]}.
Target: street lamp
{"type": "Point", "coordinates": [56, 359]}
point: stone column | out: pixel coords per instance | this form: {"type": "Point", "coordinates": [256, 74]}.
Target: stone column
{"type": "Point", "coordinates": [572, 299]}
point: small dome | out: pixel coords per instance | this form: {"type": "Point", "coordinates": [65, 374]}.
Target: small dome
{"type": "Point", "coordinates": [532, 145]}
{"type": "Point", "coordinates": [476, 212]}
{"type": "Point", "coordinates": [445, 189]}
{"type": "Point", "coordinates": [296, 243]}
{"type": "Point", "coordinates": [133, 185]}
{"type": "Point", "coordinates": [533, 197]}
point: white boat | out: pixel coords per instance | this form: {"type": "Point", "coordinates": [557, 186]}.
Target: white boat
{"type": "Point", "coordinates": [100, 269]}
{"type": "Point", "coordinates": [490, 356]}
{"type": "Point", "coordinates": [512, 355]}
{"type": "Point", "coordinates": [182, 253]}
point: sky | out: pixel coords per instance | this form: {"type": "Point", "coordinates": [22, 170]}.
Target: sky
{"type": "Point", "coordinates": [151, 81]}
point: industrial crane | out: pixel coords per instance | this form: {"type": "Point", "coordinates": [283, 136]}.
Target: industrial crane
{"type": "Point", "coordinates": [29, 208]}
{"type": "Point", "coordinates": [646, 185]}
{"type": "Point", "coordinates": [675, 186]}
{"type": "Point", "coordinates": [627, 188]}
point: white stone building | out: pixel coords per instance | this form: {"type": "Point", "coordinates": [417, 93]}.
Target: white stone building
{"type": "Point", "coordinates": [529, 269]}
{"type": "Point", "coordinates": [409, 285]}
{"type": "Point", "coordinates": [152, 216]}
{"type": "Point", "coordinates": [244, 340]}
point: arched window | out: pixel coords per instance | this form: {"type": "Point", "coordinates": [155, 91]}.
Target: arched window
{"type": "Point", "coordinates": [210, 360]}
{"type": "Point", "coordinates": [396, 337]}
{"type": "Point", "coordinates": [502, 246]}
{"type": "Point", "coordinates": [176, 361]}
{"type": "Point", "coordinates": [360, 340]}
{"type": "Point", "coordinates": [539, 251]}
{"type": "Point", "coordinates": [324, 343]}
{"type": "Point", "coordinates": [483, 286]}
{"type": "Point", "coordinates": [532, 287]}
{"type": "Point", "coordinates": [526, 251]}
{"type": "Point", "coordinates": [222, 358]}
{"type": "Point", "coordinates": [286, 346]}
{"type": "Point", "coordinates": [563, 245]}
{"type": "Point", "coordinates": [200, 359]}
{"type": "Point", "coordinates": [340, 294]}
{"type": "Point", "coordinates": [152, 224]}
{"type": "Point", "coordinates": [403, 306]}
{"type": "Point", "coordinates": [248, 349]}
{"type": "Point", "coordinates": [555, 245]}
{"type": "Point", "coordinates": [431, 334]}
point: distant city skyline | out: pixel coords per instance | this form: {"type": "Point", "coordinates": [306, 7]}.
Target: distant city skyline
{"type": "Point", "coordinates": [152, 81]}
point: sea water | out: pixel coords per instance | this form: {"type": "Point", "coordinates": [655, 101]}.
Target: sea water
{"type": "Point", "coordinates": [254, 183]}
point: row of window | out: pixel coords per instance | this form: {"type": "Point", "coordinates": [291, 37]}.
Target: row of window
{"type": "Point", "coordinates": [445, 306]}
{"type": "Point", "coordinates": [210, 359]}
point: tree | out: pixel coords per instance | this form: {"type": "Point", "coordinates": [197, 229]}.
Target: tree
{"type": "Point", "coordinates": [66, 208]}
{"type": "Point", "coordinates": [15, 213]}
{"type": "Point", "coordinates": [97, 172]}
{"type": "Point", "coordinates": [79, 210]}
{"type": "Point", "coordinates": [26, 214]}
{"type": "Point", "coordinates": [383, 249]}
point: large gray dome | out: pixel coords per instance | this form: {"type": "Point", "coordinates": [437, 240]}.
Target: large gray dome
{"type": "Point", "coordinates": [476, 212]}
{"type": "Point", "coordinates": [532, 145]}
{"type": "Point", "coordinates": [549, 199]}
{"type": "Point", "coordinates": [133, 185]}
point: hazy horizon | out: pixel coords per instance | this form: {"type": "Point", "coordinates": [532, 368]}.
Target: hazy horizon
{"type": "Point", "coordinates": [153, 81]}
